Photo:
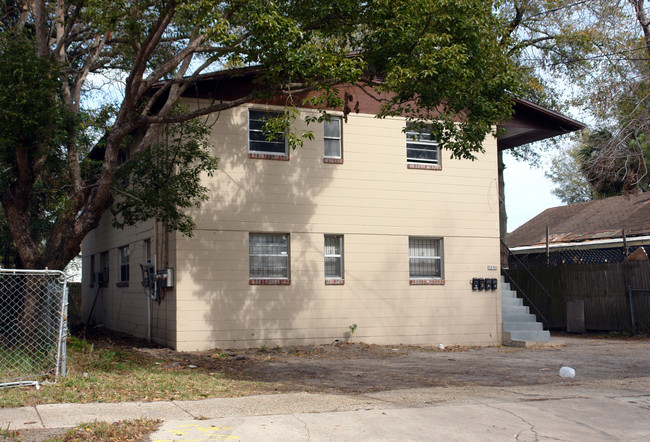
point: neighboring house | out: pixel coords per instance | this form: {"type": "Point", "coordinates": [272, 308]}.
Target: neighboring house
{"type": "Point", "coordinates": [593, 268]}
{"type": "Point", "coordinates": [598, 231]}
{"type": "Point", "coordinates": [366, 233]}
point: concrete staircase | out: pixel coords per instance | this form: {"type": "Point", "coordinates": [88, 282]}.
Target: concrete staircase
{"type": "Point", "coordinates": [520, 327]}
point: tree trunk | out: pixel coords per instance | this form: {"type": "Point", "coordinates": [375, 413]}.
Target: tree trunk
{"type": "Point", "coordinates": [33, 289]}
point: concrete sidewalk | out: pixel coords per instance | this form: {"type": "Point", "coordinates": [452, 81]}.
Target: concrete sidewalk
{"type": "Point", "coordinates": [563, 412]}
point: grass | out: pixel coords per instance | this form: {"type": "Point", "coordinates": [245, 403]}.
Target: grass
{"type": "Point", "coordinates": [117, 431]}
{"type": "Point", "coordinates": [118, 373]}
{"type": "Point", "coordinates": [17, 361]}
{"type": "Point", "coordinates": [129, 430]}
{"type": "Point", "coordinates": [7, 434]}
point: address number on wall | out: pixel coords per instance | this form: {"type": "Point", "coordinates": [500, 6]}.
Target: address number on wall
{"type": "Point", "coordinates": [492, 267]}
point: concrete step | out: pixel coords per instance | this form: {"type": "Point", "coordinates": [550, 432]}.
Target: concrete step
{"type": "Point", "coordinates": [511, 301]}
{"type": "Point", "coordinates": [520, 327]}
{"type": "Point", "coordinates": [519, 318]}
{"type": "Point", "coordinates": [530, 336]}
{"type": "Point", "coordinates": [507, 310]}
{"type": "Point", "coordinates": [523, 326]}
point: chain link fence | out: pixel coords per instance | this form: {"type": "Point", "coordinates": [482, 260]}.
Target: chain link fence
{"type": "Point", "coordinates": [33, 326]}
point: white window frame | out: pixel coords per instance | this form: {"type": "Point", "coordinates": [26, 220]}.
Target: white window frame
{"type": "Point", "coordinates": [439, 258]}
{"type": "Point", "coordinates": [420, 140]}
{"type": "Point", "coordinates": [146, 245]}
{"type": "Point", "coordinates": [250, 130]}
{"type": "Point", "coordinates": [338, 138]}
{"type": "Point", "coordinates": [262, 273]}
{"type": "Point", "coordinates": [333, 255]}
{"type": "Point", "coordinates": [124, 260]}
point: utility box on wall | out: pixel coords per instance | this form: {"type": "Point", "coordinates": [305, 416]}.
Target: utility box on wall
{"type": "Point", "coordinates": [166, 278]}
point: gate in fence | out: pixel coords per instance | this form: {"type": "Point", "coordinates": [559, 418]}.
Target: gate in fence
{"type": "Point", "coordinates": [33, 326]}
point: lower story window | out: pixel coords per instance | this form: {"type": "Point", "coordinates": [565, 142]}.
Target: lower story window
{"type": "Point", "coordinates": [102, 276]}
{"type": "Point", "coordinates": [124, 264]}
{"type": "Point", "coordinates": [268, 257]}
{"type": "Point", "coordinates": [334, 256]}
{"type": "Point", "coordinates": [425, 258]}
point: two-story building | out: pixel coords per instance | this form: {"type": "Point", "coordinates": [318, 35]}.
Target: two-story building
{"type": "Point", "coordinates": [367, 233]}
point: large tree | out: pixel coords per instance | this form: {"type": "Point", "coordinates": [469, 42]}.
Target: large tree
{"type": "Point", "coordinates": [437, 60]}
{"type": "Point", "coordinates": [597, 53]}
{"type": "Point", "coordinates": [588, 57]}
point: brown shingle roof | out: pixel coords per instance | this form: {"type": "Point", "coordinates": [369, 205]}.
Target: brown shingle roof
{"type": "Point", "coordinates": [599, 219]}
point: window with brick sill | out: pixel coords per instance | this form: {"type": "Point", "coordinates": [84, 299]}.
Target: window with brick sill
{"type": "Point", "coordinates": [269, 259]}
{"type": "Point", "coordinates": [333, 255]}
{"type": "Point", "coordinates": [259, 144]}
{"type": "Point", "coordinates": [425, 261]}
{"type": "Point", "coordinates": [422, 151]}
{"type": "Point", "coordinates": [332, 141]}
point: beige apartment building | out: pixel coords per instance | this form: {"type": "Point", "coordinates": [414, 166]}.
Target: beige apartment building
{"type": "Point", "coordinates": [369, 233]}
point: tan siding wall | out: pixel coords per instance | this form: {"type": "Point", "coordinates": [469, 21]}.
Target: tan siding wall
{"type": "Point", "coordinates": [376, 203]}
{"type": "Point", "coordinates": [124, 309]}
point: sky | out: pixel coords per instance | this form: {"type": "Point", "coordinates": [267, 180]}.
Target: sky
{"type": "Point", "coordinates": [527, 192]}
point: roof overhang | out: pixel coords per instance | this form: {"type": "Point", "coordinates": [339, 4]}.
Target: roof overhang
{"type": "Point", "coordinates": [532, 122]}
{"type": "Point", "coordinates": [595, 244]}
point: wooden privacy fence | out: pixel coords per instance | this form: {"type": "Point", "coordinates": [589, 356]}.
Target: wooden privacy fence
{"type": "Point", "coordinates": [615, 295]}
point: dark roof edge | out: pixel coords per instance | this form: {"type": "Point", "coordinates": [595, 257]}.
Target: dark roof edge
{"type": "Point", "coordinates": [573, 124]}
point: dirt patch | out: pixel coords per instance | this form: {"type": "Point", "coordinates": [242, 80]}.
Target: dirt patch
{"type": "Point", "coordinates": [361, 368]}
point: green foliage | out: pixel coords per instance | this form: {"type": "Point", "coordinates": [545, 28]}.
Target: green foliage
{"type": "Point", "coordinates": [442, 61]}
{"type": "Point", "coordinates": [162, 181]}
{"type": "Point", "coordinates": [34, 126]}
{"type": "Point", "coordinates": [435, 61]}
{"type": "Point", "coordinates": [79, 345]}
{"type": "Point", "coordinates": [565, 172]}
{"type": "Point", "coordinates": [28, 99]}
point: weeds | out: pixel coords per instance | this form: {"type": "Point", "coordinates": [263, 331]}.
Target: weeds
{"type": "Point", "coordinates": [111, 373]}
{"type": "Point", "coordinates": [6, 433]}
{"type": "Point", "coordinates": [136, 429]}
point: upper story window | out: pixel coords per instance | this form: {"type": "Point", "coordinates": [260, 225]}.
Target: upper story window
{"type": "Point", "coordinates": [425, 260]}
{"type": "Point", "coordinates": [332, 140]}
{"type": "Point", "coordinates": [258, 144]}
{"type": "Point", "coordinates": [268, 258]}
{"type": "Point", "coordinates": [422, 149]}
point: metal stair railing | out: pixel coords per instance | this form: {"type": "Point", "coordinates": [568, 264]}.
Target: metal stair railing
{"type": "Point", "coordinates": [547, 296]}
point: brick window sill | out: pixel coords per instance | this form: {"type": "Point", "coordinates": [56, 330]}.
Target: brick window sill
{"type": "Point", "coordinates": [269, 282]}
{"type": "Point", "coordinates": [333, 160]}
{"type": "Point", "coordinates": [266, 156]}
{"type": "Point", "coordinates": [121, 284]}
{"type": "Point", "coordinates": [334, 281]}
{"type": "Point", "coordinates": [423, 281]}
{"type": "Point", "coordinates": [423, 166]}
